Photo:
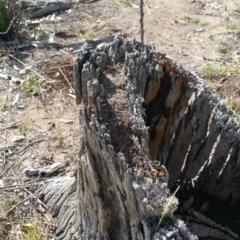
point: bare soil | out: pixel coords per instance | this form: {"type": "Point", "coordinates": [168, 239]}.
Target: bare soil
{"type": "Point", "coordinates": [202, 36]}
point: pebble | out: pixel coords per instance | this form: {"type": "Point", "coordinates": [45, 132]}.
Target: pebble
{"type": "Point", "coordinates": [19, 138]}
{"type": "Point", "coordinates": [26, 203]}
{"type": "Point", "coordinates": [21, 195]}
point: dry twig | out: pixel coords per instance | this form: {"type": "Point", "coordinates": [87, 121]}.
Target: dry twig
{"type": "Point", "coordinates": [39, 75]}
{"type": "Point", "coordinates": [66, 79]}
{"type": "Point", "coordinates": [38, 200]}
{"type": "Point", "coordinates": [30, 144]}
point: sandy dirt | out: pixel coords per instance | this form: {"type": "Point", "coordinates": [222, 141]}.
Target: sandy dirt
{"type": "Point", "coordinates": [202, 36]}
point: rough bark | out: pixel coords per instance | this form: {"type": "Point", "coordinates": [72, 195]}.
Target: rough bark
{"type": "Point", "coordinates": [146, 113]}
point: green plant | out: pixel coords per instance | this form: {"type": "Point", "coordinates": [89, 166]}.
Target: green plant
{"type": "Point", "coordinates": [31, 231]}
{"type": "Point", "coordinates": [233, 103]}
{"type": "Point", "coordinates": [212, 84]}
{"type": "Point", "coordinates": [4, 21]}
{"type": "Point", "coordinates": [124, 1]}
{"type": "Point", "coordinates": [186, 17]}
{"type": "Point", "coordinates": [85, 35]}
{"type": "Point", "coordinates": [196, 20]}
{"type": "Point", "coordinates": [224, 70]}
{"type": "Point", "coordinates": [45, 108]}
{"type": "Point", "coordinates": [232, 26]}
{"type": "Point", "coordinates": [59, 141]}
{"type": "Point", "coordinates": [9, 20]}
{"type": "Point", "coordinates": [9, 203]}
{"type": "Point", "coordinates": [236, 12]}
{"type": "Point", "coordinates": [4, 106]}
{"type": "Point", "coordinates": [223, 48]}
{"type": "Point", "coordinates": [141, 99]}
{"type": "Point", "coordinates": [169, 207]}
{"type": "Point", "coordinates": [22, 127]}
{"type": "Point", "coordinates": [208, 71]}
{"type": "Point", "coordinates": [217, 70]}
{"type": "Point", "coordinates": [31, 84]}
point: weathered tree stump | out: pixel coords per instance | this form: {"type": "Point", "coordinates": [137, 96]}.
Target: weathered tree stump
{"type": "Point", "coordinates": [140, 112]}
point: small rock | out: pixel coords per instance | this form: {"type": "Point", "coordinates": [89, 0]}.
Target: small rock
{"type": "Point", "coordinates": [20, 106]}
{"type": "Point", "coordinates": [21, 195]}
{"type": "Point", "coordinates": [23, 71]}
{"type": "Point", "coordinates": [26, 203]}
{"type": "Point", "coordinates": [1, 183]}
{"type": "Point", "coordinates": [19, 138]}
{"type": "Point", "coordinates": [16, 67]}
{"type": "Point", "coordinates": [33, 156]}
{"type": "Point", "coordinates": [4, 76]}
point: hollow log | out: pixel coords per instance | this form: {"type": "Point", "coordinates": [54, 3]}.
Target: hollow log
{"type": "Point", "coordinates": [148, 126]}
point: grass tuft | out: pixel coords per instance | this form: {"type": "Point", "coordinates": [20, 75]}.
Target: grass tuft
{"type": "Point", "coordinates": [196, 20]}
{"type": "Point", "coordinates": [124, 2]}
{"type": "Point", "coordinates": [31, 231]}
{"type": "Point", "coordinates": [59, 141]}
{"type": "Point", "coordinates": [9, 203]}
{"type": "Point", "coordinates": [222, 48]}
{"type": "Point", "coordinates": [232, 26]}
{"type": "Point", "coordinates": [31, 84]}
{"type": "Point", "coordinates": [85, 35]}
{"type": "Point", "coordinates": [4, 106]}
{"type": "Point", "coordinates": [186, 17]}
{"type": "Point", "coordinates": [217, 70]}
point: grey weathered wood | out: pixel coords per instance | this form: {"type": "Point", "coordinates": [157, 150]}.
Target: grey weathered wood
{"type": "Point", "coordinates": [47, 171]}
{"type": "Point", "coordinates": [111, 199]}
{"type": "Point", "coordinates": [41, 9]}
{"type": "Point", "coordinates": [88, 43]}
{"type": "Point", "coordinates": [174, 120]}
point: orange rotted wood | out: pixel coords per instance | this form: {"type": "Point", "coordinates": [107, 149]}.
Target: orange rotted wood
{"type": "Point", "coordinates": [154, 90]}
{"type": "Point", "coordinates": [155, 143]}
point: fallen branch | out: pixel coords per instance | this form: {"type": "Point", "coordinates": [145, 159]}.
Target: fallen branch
{"type": "Point", "coordinates": [13, 187]}
{"type": "Point", "coordinates": [45, 171]}
{"type": "Point", "coordinates": [11, 125]}
{"type": "Point", "coordinates": [41, 9]}
{"type": "Point", "coordinates": [47, 216]}
{"type": "Point", "coordinates": [91, 44]}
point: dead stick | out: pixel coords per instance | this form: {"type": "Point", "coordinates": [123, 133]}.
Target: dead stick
{"type": "Point", "coordinates": [10, 126]}
{"type": "Point", "coordinates": [141, 23]}
{"type": "Point", "coordinates": [10, 187]}
{"type": "Point", "coordinates": [38, 200]}
{"type": "Point", "coordinates": [66, 79]}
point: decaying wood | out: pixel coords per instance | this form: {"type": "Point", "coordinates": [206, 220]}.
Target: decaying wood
{"type": "Point", "coordinates": [45, 171]}
{"type": "Point", "coordinates": [41, 9]}
{"type": "Point", "coordinates": [152, 113]}
{"type": "Point", "coordinates": [213, 229]}
{"type": "Point", "coordinates": [47, 216]}
{"type": "Point", "coordinates": [88, 44]}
